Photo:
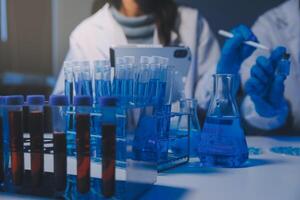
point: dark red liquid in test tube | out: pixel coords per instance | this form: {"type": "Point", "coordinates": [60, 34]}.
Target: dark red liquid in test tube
{"type": "Point", "coordinates": [83, 152]}
{"type": "Point", "coordinates": [25, 118]}
{"type": "Point", "coordinates": [36, 131]}
{"type": "Point", "coordinates": [1, 152]}
{"type": "Point", "coordinates": [108, 159]}
{"type": "Point", "coordinates": [16, 145]}
{"type": "Point", "coordinates": [60, 161]}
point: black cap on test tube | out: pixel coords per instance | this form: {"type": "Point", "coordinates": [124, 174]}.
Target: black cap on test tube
{"type": "Point", "coordinates": [58, 100]}
{"type": "Point", "coordinates": [82, 100]}
{"type": "Point", "coordinates": [108, 101]}
{"type": "Point", "coordinates": [15, 100]}
{"type": "Point", "coordinates": [35, 100]}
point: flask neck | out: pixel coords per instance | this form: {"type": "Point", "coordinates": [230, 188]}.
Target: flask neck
{"type": "Point", "coordinates": [223, 103]}
{"type": "Point", "coordinates": [223, 86]}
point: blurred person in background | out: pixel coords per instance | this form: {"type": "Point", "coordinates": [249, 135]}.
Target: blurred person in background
{"type": "Point", "coordinates": [280, 110]}
{"type": "Point", "coordinates": [123, 22]}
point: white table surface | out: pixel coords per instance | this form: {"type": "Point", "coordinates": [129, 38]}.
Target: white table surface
{"type": "Point", "coordinates": [266, 176]}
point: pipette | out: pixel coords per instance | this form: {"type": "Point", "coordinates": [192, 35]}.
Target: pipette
{"type": "Point", "coordinates": [286, 56]}
{"type": "Point", "coordinates": [250, 43]}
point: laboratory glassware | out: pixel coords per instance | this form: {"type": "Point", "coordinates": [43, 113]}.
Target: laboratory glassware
{"type": "Point", "coordinates": [102, 76]}
{"type": "Point", "coordinates": [14, 106]}
{"type": "Point", "coordinates": [142, 81]}
{"type": "Point", "coordinates": [222, 141]}
{"type": "Point", "coordinates": [36, 133]}
{"type": "Point", "coordinates": [187, 122]}
{"type": "Point", "coordinates": [59, 105]}
{"type": "Point", "coordinates": [108, 130]}
{"type": "Point", "coordinates": [82, 78]}
{"type": "Point", "coordinates": [82, 123]}
{"type": "Point", "coordinates": [69, 80]}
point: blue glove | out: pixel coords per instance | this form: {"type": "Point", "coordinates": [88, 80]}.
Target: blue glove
{"type": "Point", "coordinates": [235, 51]}
{"type": "Point", "coordinates": [265, 87]}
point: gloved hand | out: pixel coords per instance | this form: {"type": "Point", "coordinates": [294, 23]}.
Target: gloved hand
{"type": "Point", "coordinates": [235, 51]}
{"type": "Point", "coordinates": [266, 88]}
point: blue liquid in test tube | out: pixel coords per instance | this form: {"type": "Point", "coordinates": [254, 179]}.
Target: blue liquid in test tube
{"type": "Point", "coordinates": [141, 84]}
{"type": "Point", "coordinates": [102, 75]}
{"type": "Point", "coordinates": [83, 79]}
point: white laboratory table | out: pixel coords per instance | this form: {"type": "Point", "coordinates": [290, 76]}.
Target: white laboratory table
{"type": "Point", "coordinates": [266, 176]}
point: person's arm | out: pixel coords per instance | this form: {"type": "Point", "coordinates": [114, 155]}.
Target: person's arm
{"type": "Point", "coordinates": [266, 107]}
{"type": "Point", "coordinates": [208, 55]}
{"type": "Point", "coordinates": [249, 109]}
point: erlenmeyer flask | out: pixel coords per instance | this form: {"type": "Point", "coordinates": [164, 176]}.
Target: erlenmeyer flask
{"type": "Point", "coordinates": [222, 141]}
{"type": "Point", "coordinates": [189, 122]}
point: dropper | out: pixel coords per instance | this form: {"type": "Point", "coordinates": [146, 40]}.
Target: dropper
{"type": "Point", "coordinates": [252, 44]}
{"type": "Point", "coordinates": [285, 57]}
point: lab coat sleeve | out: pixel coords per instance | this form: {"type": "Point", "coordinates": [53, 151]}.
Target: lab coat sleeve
{"type": "Point", "coordinates": [208, 52]}
{"type": "Point", "coordinates": [261, 30]}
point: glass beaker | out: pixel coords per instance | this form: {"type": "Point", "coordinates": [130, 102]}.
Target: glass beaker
{"type": "Point", "coordinates": [189, 122]}
{"type": "Point", "coordinates": [222, 142]}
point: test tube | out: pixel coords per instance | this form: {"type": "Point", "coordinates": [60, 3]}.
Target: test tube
{"type": "Point", "coordinates": [69, 89]}
{"type": "Point", "coordinates": [83, 108]}
{"type": "Point", "coordinates": [108, 129]}
{"type": "Point", "coordinates": [102, 76]}
{"type": "Point", "coordinates": [47, 119]}
{"type": "Point", "coordinates": [143, 78]}
{"type": "Point", "coordinates": [25, 117]}
{"type": "Point", "coordinates": [127, 90]}
{"type": "Point", "coordinates": [119, 77]}
{"type": "Point", "coordinates": [154, 79]}
{"type": "Point", "coordinates": [36, 132]}
{"type": "Point", "coordinates": [69, 83]}
{"type": "Point", "coordinates": [59, 105]}
{"type": "Point", "coordinates": [14, 105]}
{"type": "Point", "coordinates": [162, 86]}
{"type": "Point", "coordinates": [1, 141]}
{"type": "Point", "coordinates": [82, 78]}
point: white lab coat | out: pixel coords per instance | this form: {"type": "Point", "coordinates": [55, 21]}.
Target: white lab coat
{"type": "Point", "coordinates": [93, 37]}
{"type": "Point", "coordinates": [279, 26]}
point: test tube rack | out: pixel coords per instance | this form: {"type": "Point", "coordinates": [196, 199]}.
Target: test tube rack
{"type": "Point", "coordinates": [138, 159]}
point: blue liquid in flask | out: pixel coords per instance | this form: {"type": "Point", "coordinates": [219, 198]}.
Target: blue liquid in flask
{"type": "Point", "coordinates": [223, 143]}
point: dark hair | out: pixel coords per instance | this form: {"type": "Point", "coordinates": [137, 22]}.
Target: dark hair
{"type": "Point", "coordinates": [165, 12]}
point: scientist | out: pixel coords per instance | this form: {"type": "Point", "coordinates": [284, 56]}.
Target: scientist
{"type": "Point", "coordinates": [122, 22]}
{"type": "Point", "coordinates": [270, 112]}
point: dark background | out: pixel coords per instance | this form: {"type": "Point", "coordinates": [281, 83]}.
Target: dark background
{"type": "Point", "coordinates": [226, 14]}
